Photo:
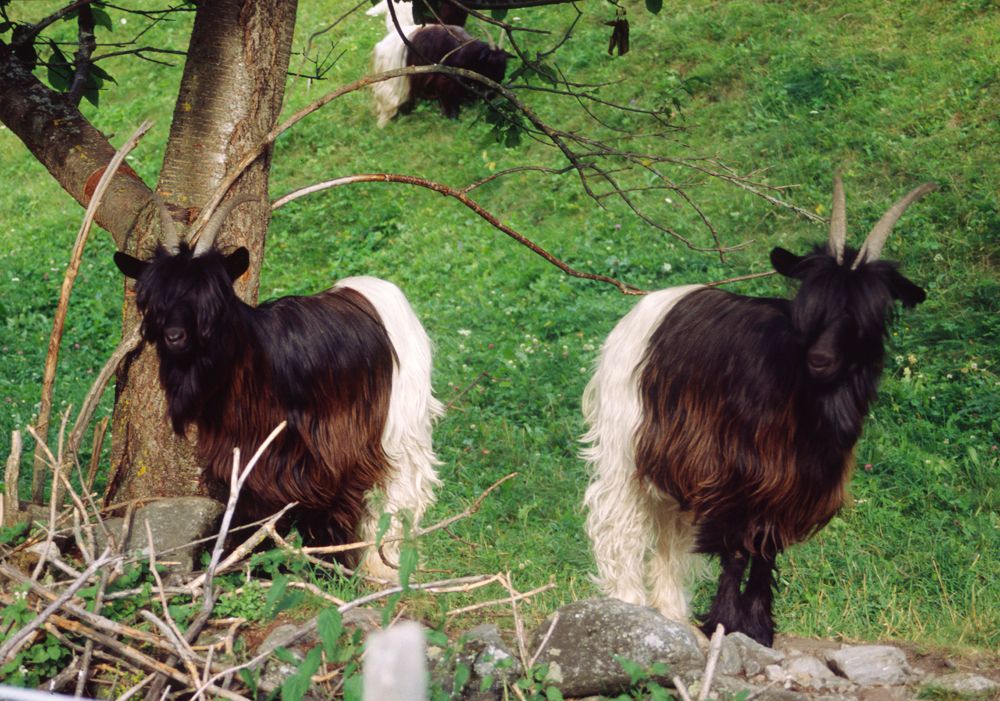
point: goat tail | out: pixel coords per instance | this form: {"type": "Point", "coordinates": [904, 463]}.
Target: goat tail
{"type": "Point", "coordinates": [391, 94]}
{"type": "Point", "coordinates": [406, 439]}
{"type": "Point", "coordinates": [641, 540]}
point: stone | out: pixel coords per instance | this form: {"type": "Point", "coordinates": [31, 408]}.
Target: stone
{"type": "Point", "coordinates": [483, 652]}
{"type": "Point", "coordinates": [885, 693]}
{"type": "Point", "coordinates": [175, 523]}
{"type": "Point", "coordinates": [755, 657]}
{"type": "Point", "coordinates": [870, 665]}
{"type": "Point", "coordinates": [589, 635]}
{"type": "Point", "coordinates": [730, 660]}
{"type": "Point", "coordinates": [807, 667]}
{"type": "Point", "coordinates": [965, 684]}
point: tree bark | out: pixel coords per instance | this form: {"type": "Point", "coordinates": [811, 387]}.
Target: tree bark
{"type": "Point", "coordinates": [230, 97]}
{"type": "Point", "coordinates": [69, 146]}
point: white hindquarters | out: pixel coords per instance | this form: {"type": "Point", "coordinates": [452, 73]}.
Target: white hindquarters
{"type": "Point", "coordinates": [391, 94]}
{"type": "Point", "coordinates": [404, 14]}
{"type": "Point", "coordinates": [642, 542]}
{"type": "Point", "coordinates": [406, 440]}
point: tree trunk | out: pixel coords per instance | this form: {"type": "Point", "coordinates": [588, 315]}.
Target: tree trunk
{"type": "Point", "coordinates": [230, 97]}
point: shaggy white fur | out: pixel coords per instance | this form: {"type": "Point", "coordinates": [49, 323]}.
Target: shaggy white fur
{"type": "Point", "coordinates": [390, 95]}
{"type": "Point", "coordinates": [642, 541]}
{"type": "Point", "coordinates": [406, 439]}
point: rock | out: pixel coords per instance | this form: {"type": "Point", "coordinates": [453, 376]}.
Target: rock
{"type": "Point", "coordinates": [964, 684]}
{"type": "Point", "coordinates": [730, 660]}
{"type": "Point", "coordinates": [582, 649]}
{"type": "Point", "coordinates": [884, 693]}
{"type": "Point", "coordinates": [302, 637]}
{"type": "Point", "coordinates": [174, 522]}
{"type": "Point", "coordinates": [483, 652]}
{"type": "Point", "coordinates": [807, 667]}
{"type": "Point", "coordinates": [755, 657]}
{"type": "Point", "coordinates": [870, 664]}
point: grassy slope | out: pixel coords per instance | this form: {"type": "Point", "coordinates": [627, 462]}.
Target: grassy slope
{"type": "Point", "coordinates": [893, 93]}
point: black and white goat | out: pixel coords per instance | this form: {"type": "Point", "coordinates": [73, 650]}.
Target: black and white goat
{"type": "Point", "coordinates": [725, 425]}
{"type": "Point", "coordinates": [444, 44]}
{"type": "Point", "coordinates": [349, 369]}
{"type": "Point", "coordinates": [445, 13]}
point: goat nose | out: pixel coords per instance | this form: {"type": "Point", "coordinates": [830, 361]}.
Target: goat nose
{"type": "Point", "coordinates": [174, 335]}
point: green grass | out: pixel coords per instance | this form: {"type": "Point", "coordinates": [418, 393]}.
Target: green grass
{"type": "Point", "coordinates": [892, 93]}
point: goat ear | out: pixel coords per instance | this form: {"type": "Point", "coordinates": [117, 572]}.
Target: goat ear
{"type": "Point", "coordinates": [905, 291]}
{"type": "Point", "coordinates": [237, 262]}
{"type": "Point", "coordinates": [130, 267]}
{"type": "Point", "coordinates": [785, 262]}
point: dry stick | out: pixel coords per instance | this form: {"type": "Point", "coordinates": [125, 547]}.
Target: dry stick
{"type": "Point", "coordinates": [100, 431]}
{"type": "Point", "coordinates": [10, 505]}
{"type": "Point", "coordinates": [714, 650]}
{"type": "Point", "coordinates": [136, 658]}
{"type": "Point", "coordinates": [245, 548]}
{"type": "Point", "coordinates": [10, 648]}
{"type": "Point", "coordinates": [740, 278]}
{"type": "Point", "coordinates": [53, 500]}
{"type": "Point", "coordinates": [681, 688]}
{"type": "Point", "coordinates": [444, 523]}
{"type": "Point", "coordinates": [59, 321]}
{"type": "Point", "coordinates": [500, 602]}
{"type": "Point", "coordinates": [168, 624]}
{"type": "Point", "coordinates": [518, 623]}
{"type": "Point", "coordinates": [309, 626]}
{"type": "Point", "coordinates": [545, 640]}
{"type": "Point", "coordinates": [236, 482]}
{"type": "Point", "coordinates": [459, 195]}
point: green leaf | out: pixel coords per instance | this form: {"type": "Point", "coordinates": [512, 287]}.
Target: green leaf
{"type": "Point", "coordinates": [485, 683]}
{"type": "Point", "coordinates": [408, 559]}
{"type": "Point", "coordinates": [286, 656]}
{"type": "Point", "coordinates": [330, 625]}
{"type": "Point", "coordinates": [296, 686]}
{"type": "Point", "coordinates": [498, 12]}
{"type": "Point", "coordinates": [384, 521]}
{"type": "Point", "coordinates": [93, 97]}
{"type": "Point", "coordinates": [277, 591]}
{"type": "Point", "coordinates": [102, 19]}
{"type": "Point", "coordinates": [99, 72]}
{"type": "Point", "coordinates": [553, 694]}
{"type": "Point", "coordinates": [249, 678]}
{"type": "Point", "coordinates": [462, 675]}
{"type": "Point", "coordinates": [654, 6]}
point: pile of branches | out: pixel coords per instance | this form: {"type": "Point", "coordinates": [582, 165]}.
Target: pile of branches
{"type": "Point", "coordinates": [151, 647]}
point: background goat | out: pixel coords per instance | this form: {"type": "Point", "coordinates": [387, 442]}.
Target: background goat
{"type": "Point", "coordinates": [445, 14]}
{"type": "Point", "coordinates": [449, 45]}
{"type": "Point", "coordinates": [725, 424]}
{"type": "Point", "coordinates": [349, 369]}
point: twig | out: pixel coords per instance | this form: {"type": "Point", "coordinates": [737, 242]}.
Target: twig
{"type": "Point", "coordinates": [714, 650]}
{"type": "Point", "coordinates": [10, 505]}
{"type": "Point", "coordinates": [740, 278]}
{"type": "Point", "coordinates": [545, 640]}
{"type": "Point", "coordinates": [681, 688]}
{"type": "Point", "coordinates": [59, 320]}
{"type": "Point", "coordinates": [10, 648]}
{"type": "Point", "coordinates": [462, 197]}
{"type": "Point", "coordinates": [518, 623]}
{"type": "Point", "coordinates": [500, 602]}
{"type": "Point", "coordinates": [444, 523]}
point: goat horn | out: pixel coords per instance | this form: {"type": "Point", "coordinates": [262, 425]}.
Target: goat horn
{"type": "Point", "coordinates": [871, 249]}
{"type": "Point", "coordinates": [207, 236]}
{"type": "Point", "coordinates": [838, 221]}
{"type": "Point", "coordinates": [168, 230]}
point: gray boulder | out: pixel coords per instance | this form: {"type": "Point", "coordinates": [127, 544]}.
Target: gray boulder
{"type": "Point", "coordinates": [965, 684]}
{"type": "Point", "coordinates": [175, 523]}
{"type": "Point", "coordinates": [871, 665]}
{"type": "Point", "coordinates": [590, 637]}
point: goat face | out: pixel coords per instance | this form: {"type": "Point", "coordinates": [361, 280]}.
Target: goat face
{"type": "Point", "coordinates": [841, 311]}
{"type": "Point", "coordinates": [183, 297]}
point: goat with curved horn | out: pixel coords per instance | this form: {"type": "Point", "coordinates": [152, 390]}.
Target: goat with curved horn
{"type": "Point", "coordinates": [171, 239]}
{"type": "Point", "coordinates": [204, 239]}
{"type": "Point", "coordinates": [838, 221]}
{"type": "Point", "coordinates": [871, 249]}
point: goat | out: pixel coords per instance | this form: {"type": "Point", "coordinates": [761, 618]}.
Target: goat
{"type": "Point", "coordinates": [446, 13]}
{"type": "Point", "coordinates": [349, 369]}
{"type": "Point", "coordinates": [725, 425]}
{"type": "Point", "coordinates": [431, 44]}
